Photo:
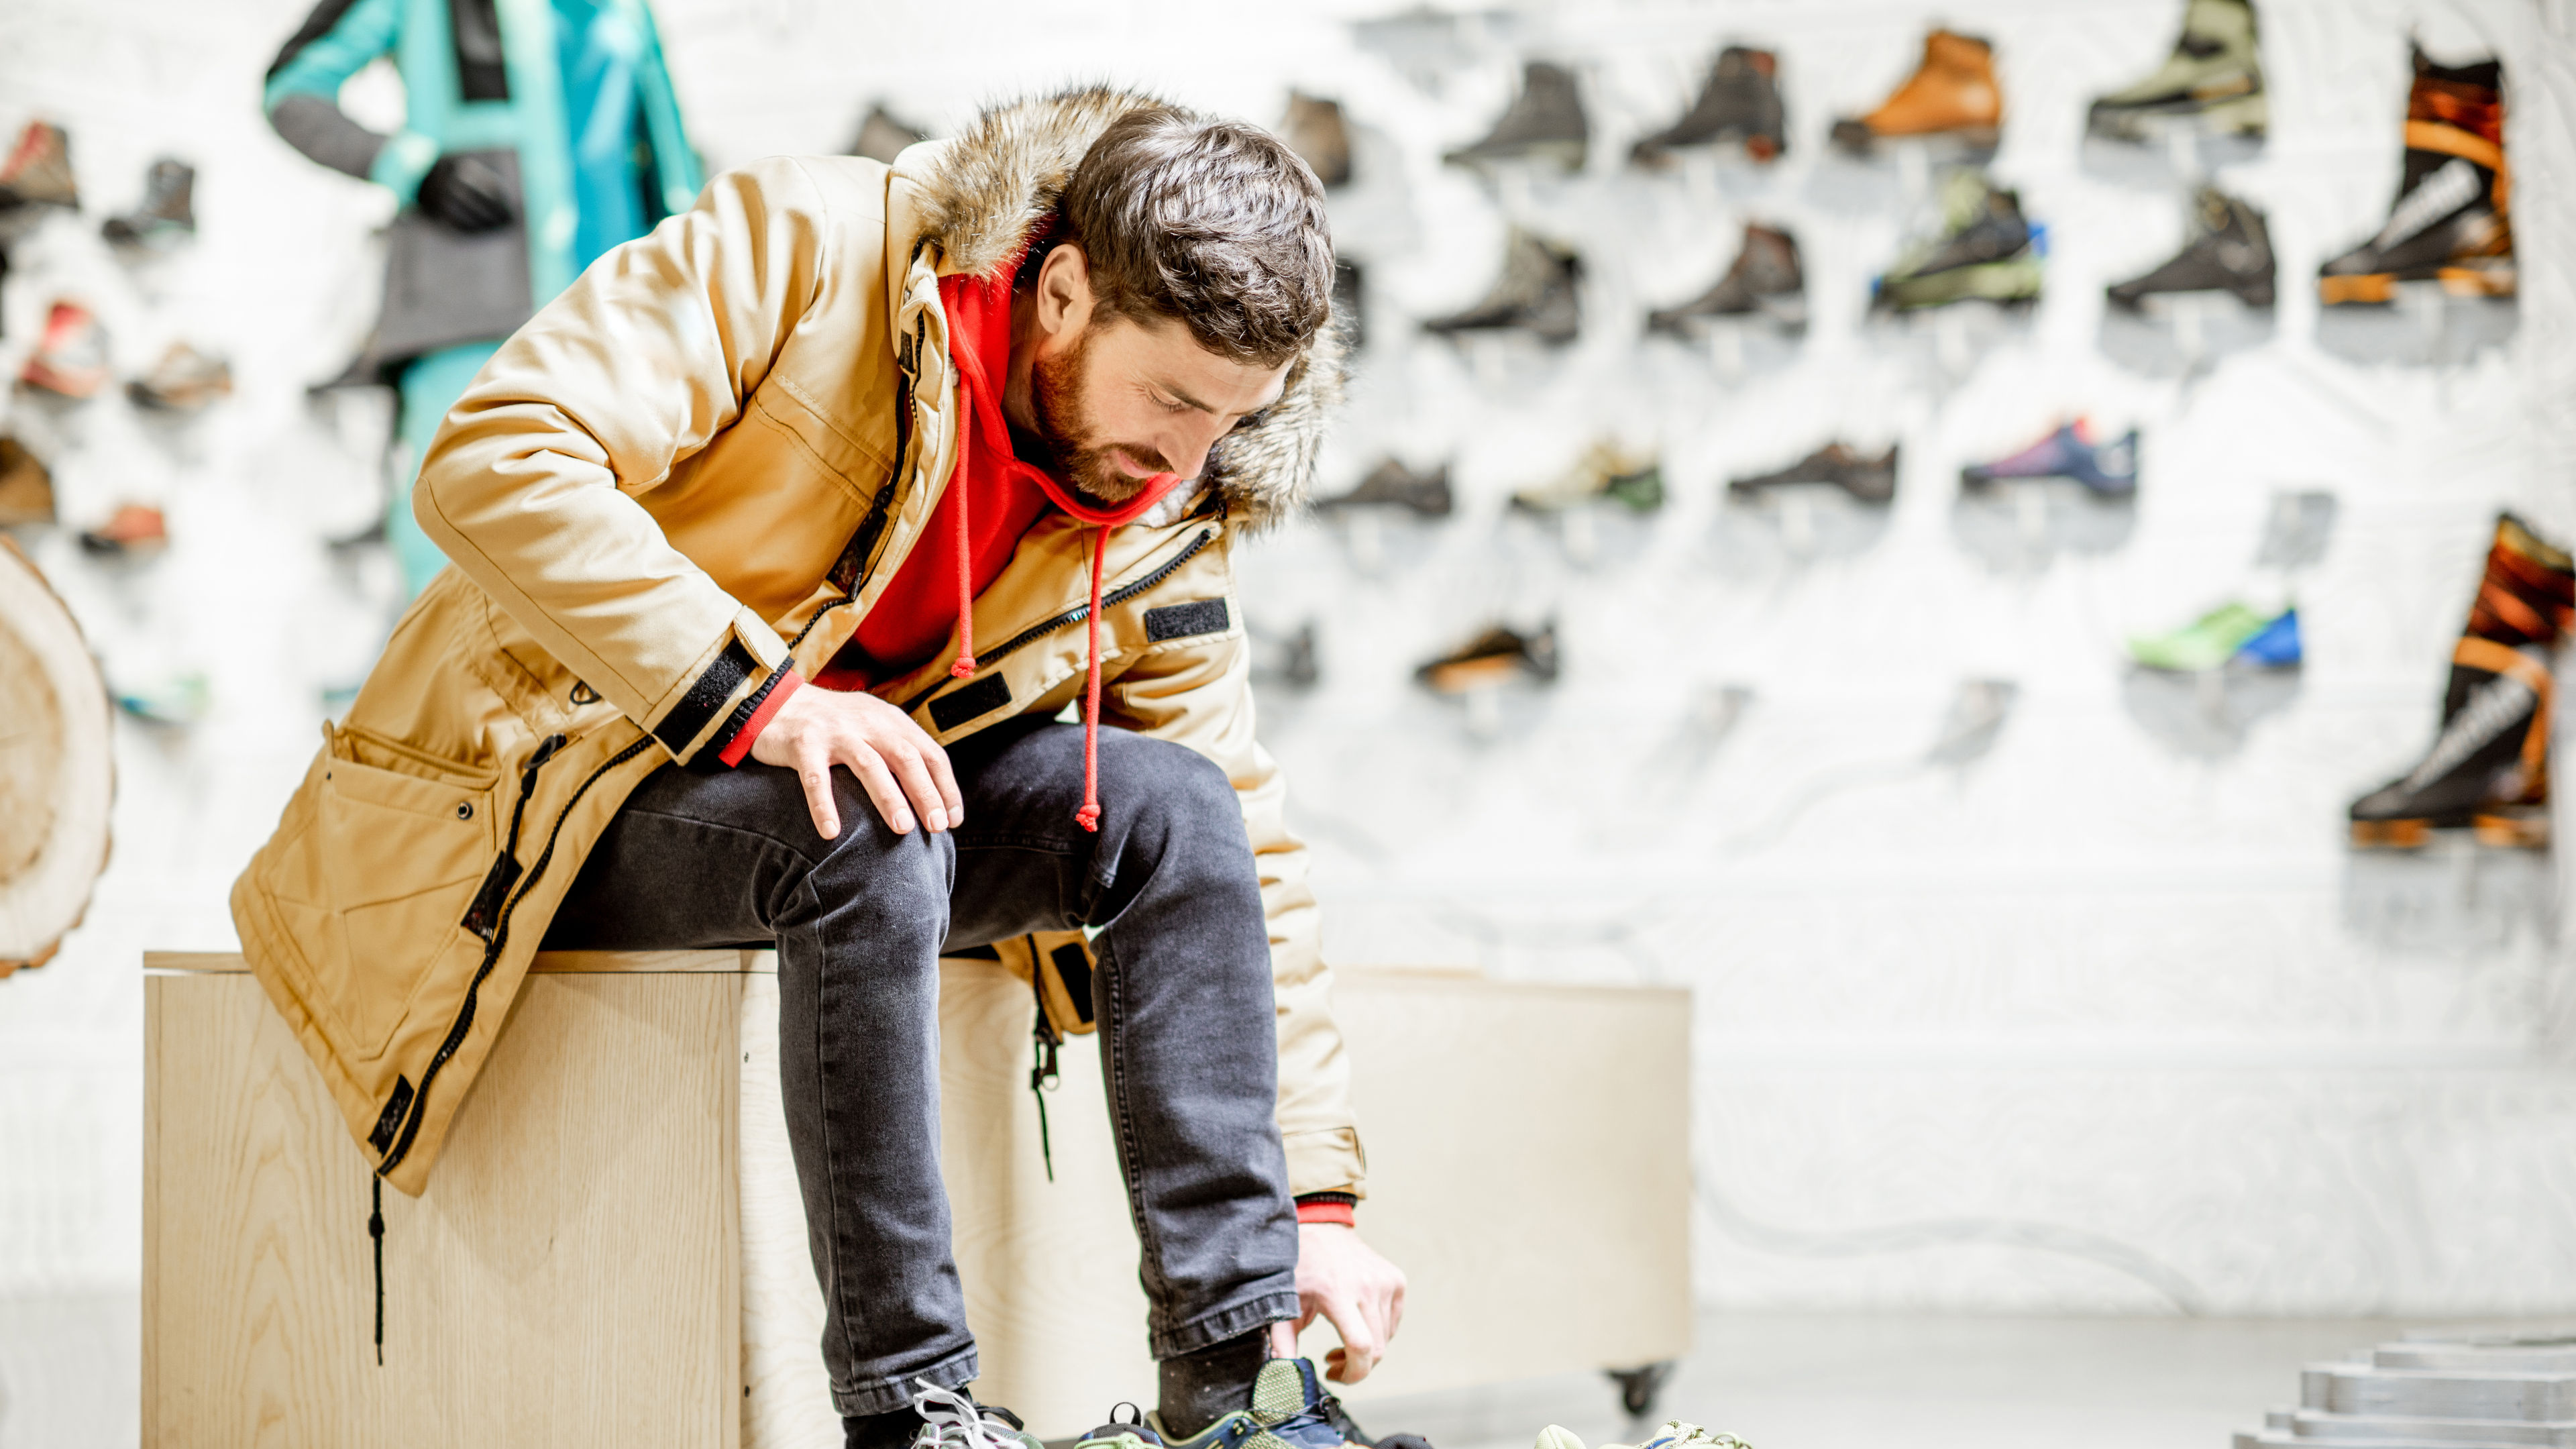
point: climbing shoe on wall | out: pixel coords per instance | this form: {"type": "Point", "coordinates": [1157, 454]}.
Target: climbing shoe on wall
{"type": "Point", "coordinates": [2229, 636]}
{"type": "Point", "coordinates": [1952, 96]}
{"type": "Point", "coordinates": [71, 359]}
{"type": "Point", "coordinates": [168, 211]}
{"type": "Point", "coordinates": [2230, 250]}
{"type": "Point", "coordinates": [1765, 280]}
{"type": "Point", "coordinates": [183, 381]}
{"type": "Point", "coordinates": [1314, 129]}
{"type": "Point", "coordinates": [1538, 292]}
{"type": "Point", "coordinates": [2488, 768]}
{"type": "Point", "coordinates": [1499, 654]}
{"type": "Point", "coordinates": [1545, 123]}
{"type": "Point", "coordinates": [1347, 312]}
{"type": "Point", "coordinates": [39, 170]}
{"type": "Point", "coordinates": [26, 489]}
{"type": "Point", "coordinates": [882, 138]}
{"type": "Point", "coordinates": [1393, 485]}
{"type": "Point", "coordinates": [1987, 250]}
{"type": "Point", "coordinates": [1866, 478]}
{"type": "Point", "coordinates": [2109, 469]}
{"type": "Point", "coordinates": [2451, 222]}
{"type": "Point", "coordinates": [1607, 473]}
{"type": "Point", "coordinates": [1738, 105]}
{"type": "Point", "coordinates": [1673, 1435]}
{"type": "Point", "coordinates": [2213, 80]}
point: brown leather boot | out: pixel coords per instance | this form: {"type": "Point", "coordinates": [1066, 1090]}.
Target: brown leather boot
{"type": "Point", "coordinates": [1952, 94]}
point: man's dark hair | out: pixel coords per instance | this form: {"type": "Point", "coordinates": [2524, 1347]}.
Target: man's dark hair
{"type": "Point", "coordinates": [1211, 223]}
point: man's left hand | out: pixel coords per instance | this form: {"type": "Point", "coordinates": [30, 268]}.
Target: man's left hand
{"type": "Point", "coordinates": [1360, 1293]}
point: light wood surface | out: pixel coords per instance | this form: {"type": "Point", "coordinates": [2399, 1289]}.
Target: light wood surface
{"type": "Point", "coordinates": [570, 1277]}
{"type": "Point", "coordinates": [57, 767]}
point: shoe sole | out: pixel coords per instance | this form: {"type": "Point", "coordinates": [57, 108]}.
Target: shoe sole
{"type": "Point", "coordinates": [1460, 677]}
{"type": "Point", "coordinates": [1968, 143]}
{"type": "Point", "coordinates": [2005, 282]}
{"type": "Point", "coordinates": [2511, 831]}
{"type": "Point", "coordinates": [1568, 154]}
{"type": "Point", "coordinates": [2242, 115]}
{"type": "Point", "coordinates": [2392, 834]}
{"type": "Point", "coordinates": [2380, 288]}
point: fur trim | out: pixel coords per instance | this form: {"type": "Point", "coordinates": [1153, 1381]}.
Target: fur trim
{"type": "Point", "coordinates": [985, 192]}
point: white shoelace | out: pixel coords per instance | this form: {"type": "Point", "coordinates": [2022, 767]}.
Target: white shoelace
{"type": "Point", "coordinates": [950, 1420]}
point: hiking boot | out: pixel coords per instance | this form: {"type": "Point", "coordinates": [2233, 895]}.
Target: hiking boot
{"type": "Point", "coordinates": [1346, 303]}
{"type": "Point", "coordinates": [1952, 95]}
{"type": "Point", "coordinates": [1738, 105]}
{"type": "Point", "coordinates": [1765, 279]}
{"type": "Point", "coordinates": [1866, 479]}
{"type": "Point", "coordinates": [2230, 251]}
{"type": "Point", "coordinates": [183, 381]}
{"type": "Point", "coordinates": [949, 1419]}
{"type": "Point", "coordinates": [2230, 635]}
{"type": "Point", "coordinates": [1545, 123]}
{"type": "Point", "coordinates": [71, 359]}
{"type": "Point", "coordinates": [1987, 250]}
{"type": "Point", "coordinates": [2488, 768]}
{"type": "Point", "coordinates": [26, 489]}
{"type": "Point", "coordinates": [1314, 130]}
{"type": "Point", "coordinates": [1499, 654]}
{"type": "Point", "coordinates": [882, 138]}
{"type": "Point", "coordinates": [1537, 291]}
{"type": "Point", "coordinates": [1673, 1435]}
{"type": "Point", "coordinates": [178, 699]}
{"type": "Point", "coordinates": [2110, 469]}
{"type": "Point", "coordinates": [2213, 80]}
{"type": "Point", "coordinates": [168, 211]}
{"type": "Point", "coordinates": [1605, 474]}
{"type": "Point", "coordinates": [1290, 1409]}
{"type": "Point", "coordinates": [39, 170]}
{"type": "Point", "coordinates": [2450, 222]}
{"type": "Point", "coordinates": [1392, 485]}
{"type": "Point", "coordinates": [1288, 659]}
{"type": "Point", "coordinates": [135, 530]}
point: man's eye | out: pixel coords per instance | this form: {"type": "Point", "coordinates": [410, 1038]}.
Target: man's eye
{"type": "Point", "coordinates": [1170, 405]}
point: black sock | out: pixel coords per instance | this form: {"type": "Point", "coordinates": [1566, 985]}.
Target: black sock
{"type": "Point", "coordinates": [892, 1429]}
{"type": "Point", "coordinates": [1204, 1385]}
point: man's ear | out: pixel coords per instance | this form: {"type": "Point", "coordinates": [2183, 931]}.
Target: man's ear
{"type": "Point", "coordinates": [1064, 292]}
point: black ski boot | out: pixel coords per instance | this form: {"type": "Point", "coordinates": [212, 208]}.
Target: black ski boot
{"type": "Point", "coordinates": [1765, 280]}
{"type": "Point", "coordinates": [1546, 122]}
{"type": "Point", "coordinates": [1538, 291]}
{"type": "Point", "coordinates": [2230, 251]}
{"type": "Point", "coordinates": [2450, 222]}
{"type": "Point", "coordinates": [1739, 105]}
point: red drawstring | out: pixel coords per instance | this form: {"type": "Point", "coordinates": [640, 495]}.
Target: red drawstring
{"type": "Point", "coordinates": [964, 664]}
{"type": "Point", "coordinates": [1089, 815]}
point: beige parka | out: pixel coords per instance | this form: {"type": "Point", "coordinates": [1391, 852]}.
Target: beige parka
{"type": "Point", "coordinates": [702, 462]}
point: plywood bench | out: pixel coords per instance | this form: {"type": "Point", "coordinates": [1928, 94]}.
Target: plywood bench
{"type": "Point", "coordinates": [612, 1250]}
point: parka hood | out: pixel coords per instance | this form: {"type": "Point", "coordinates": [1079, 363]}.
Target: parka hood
{"type": "Point", "coordinates": [983, 195]}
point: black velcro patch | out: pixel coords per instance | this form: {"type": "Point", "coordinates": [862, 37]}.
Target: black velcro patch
{"type": "Point", "coordinates": [390, 1120]}
{"type": "Point", "coordinates": [707, 695]}
{"type": "Point", "coordinates": [1073, 968]}
{"type": "Point", "coordinates": [1180, 621]}
{"type": "Point", "coordinates": [977, 699]}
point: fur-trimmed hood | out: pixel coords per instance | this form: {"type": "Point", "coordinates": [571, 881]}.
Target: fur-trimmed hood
{"type": "Point", "coordinates": [984, 193]}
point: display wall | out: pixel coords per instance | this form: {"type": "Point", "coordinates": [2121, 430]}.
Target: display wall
{"type": "Point", "coordinates": [2025, 979]}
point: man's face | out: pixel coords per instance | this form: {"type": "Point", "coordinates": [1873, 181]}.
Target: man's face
{"type": "Point", "coordinates": [1124, 401]}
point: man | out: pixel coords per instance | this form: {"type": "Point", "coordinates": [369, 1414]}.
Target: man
{"type": "Point", "coordinates": [714, 513]}
{"type": "Point", "coordinates": [537, 135]}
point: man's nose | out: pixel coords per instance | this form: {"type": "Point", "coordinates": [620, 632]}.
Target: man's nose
{"type": "Point", "coordinates": [1185, 450]}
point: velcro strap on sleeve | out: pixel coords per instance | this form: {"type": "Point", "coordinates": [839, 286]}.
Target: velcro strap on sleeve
{"type": "Point", "coordinates": [697, 709]}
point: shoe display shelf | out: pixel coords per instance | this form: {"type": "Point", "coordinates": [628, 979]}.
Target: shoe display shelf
{"type": "Point", "coordinates": [2452, 1388]}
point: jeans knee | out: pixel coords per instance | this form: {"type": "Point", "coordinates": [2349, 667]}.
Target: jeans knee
{"type": "Point", "coordinates": [1171, 788]}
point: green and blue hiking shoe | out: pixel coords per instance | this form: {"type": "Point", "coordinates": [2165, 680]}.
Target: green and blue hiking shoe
{"type": "Point", "coordinates": [1987, 250]}
{"type": "Point", "coordinates": [1290, 1410]}
{"type": "Point", "coordinates": [2230, 635]}
{"type": "Point", "coordinates": [1674, 1435]}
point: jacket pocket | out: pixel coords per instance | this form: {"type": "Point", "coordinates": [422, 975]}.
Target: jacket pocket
{"type": "Point", "coordinates": [376, 883]}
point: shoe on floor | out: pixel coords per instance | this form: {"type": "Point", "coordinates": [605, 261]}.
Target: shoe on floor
{"type": "Point", "coordinates": [2451, 221]}
{"type": "Point", "coordinates": [2230, 251]}
{"type": "Point", "coordinates": [71, 359]}
{"type": "Point", "coordinates": [1673, 1435]}
{"type": "Point", "coordinates": [2229, 635]}
{"type": "Point", "coordinates": [39, 170]}
{"type": "Point", "coordinates": [882, 138]}
{"type": "Point", "coordinates": [168, 211]}
{"type": "Point", "coordinates": [1764, 280]}
{"type": "Point", "coordinates": [183, 381]}
{"type": "Point", "coordinates": [1545, 122]}
{"type": "Point", "coordinates": [1606, 473]}
{"type": "Point", "coordinates": [2213, 80]}
{"type": "Point", "coordinates": [1314, 129]}
{"type": "Point", "coordinates": [1867, 479]}
{"type": "Point", "coordinates": [1290, 1409]}
{"type": "Point", "coordinates": [1987, 250]}
{"type": "Point", "coordinates": [949, 1419]}
{"type": "Point", "coordinates": [1739, 105]}
{"type": "Point", "coordinates": [1393, 485]}
{"type": "Point", "coordinates": [1538, 292]}
{"type": "Point", "coordinates": [1952, 94]}
{"type": "Point", "coordinates": [133, 531]}
{"type": "Point", "coordinates": [26, 489]}
{"type": "Point", "coordinates": [1493, 657]}
{"type": "Point", "coordinates": [2110, 469]}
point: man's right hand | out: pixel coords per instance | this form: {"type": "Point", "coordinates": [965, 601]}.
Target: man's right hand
{"type": "Point", "coordinates": [902, 768]}
{"type": "Point", "coordinates": [467, 194]}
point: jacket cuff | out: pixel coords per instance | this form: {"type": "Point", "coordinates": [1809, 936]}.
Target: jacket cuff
{"type": "Point", "coordinates": [405, 159]}
{"type": "Point", "coordinates": [742, 731]}
{"type": "Point", "coordinates": [708, 700]}
{"type": "Point", "coordinates": [1326, 1159]}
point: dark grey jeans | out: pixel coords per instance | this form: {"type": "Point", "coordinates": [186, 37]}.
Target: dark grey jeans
{"type": "Point", "coordinates": [1182, 993]}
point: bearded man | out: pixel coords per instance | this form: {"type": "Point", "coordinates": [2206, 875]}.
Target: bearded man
{"type": "Point", "coordinates": [783, 541]}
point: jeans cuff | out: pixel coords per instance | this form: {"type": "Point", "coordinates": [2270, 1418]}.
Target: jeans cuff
{"type": "Point", "coordinates": [1219, 1324]}
{"type": "Point", "coordinates": [886, 1395]}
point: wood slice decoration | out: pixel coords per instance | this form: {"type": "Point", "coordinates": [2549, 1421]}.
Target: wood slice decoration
{"type": "Point", "coordinates": [57, 767]}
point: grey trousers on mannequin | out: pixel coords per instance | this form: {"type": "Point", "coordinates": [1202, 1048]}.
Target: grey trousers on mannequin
{"type": "Point", "coordinates": [717, 858]}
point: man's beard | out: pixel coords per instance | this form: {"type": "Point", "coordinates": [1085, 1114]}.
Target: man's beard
{"type": "Point", "coordinates": [1081, 457]}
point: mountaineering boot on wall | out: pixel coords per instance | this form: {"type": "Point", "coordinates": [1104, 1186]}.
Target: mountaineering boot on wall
{"type": "Point", "coordinates": [71, 359]}
{"type": "Point", "coordinates": [1347, 313]}
{"type": "Point", "coordinates": [135, 530]}
{"type": "Point", "coordinates": [1987, 250]}
{"type": "Point", "coordinates": [2230, 251]}
{"type": "Point", "coordinates": [2489, 765]}
{"type": "Point", "coordinates": [1537, 292]}
{"type": "Point", "coordinates": [39, 170]}
{"type": "Point", "coordinates": [2452, 221]}
{"type": "Point", "coordinates": [1867, 479]}
{"type": "Point", "coordinates": [1673, 1435]}
{"type": "Point", "coordinates": [1545, 123]}
{"type": "Point", "coordinates": [26, 489]}
{"type": "Point", "coordinates": [1952, 95]}
{"type": "Point", "coordinates": [1606, 473]}
{"type": "Point", "coordinates": [183, 381]}
{"type": "Point", "coordinates": [2109, 469]}
{"type": "Point", "coordinates": [1290, 1409]}
{"type": "Point", "coordinates": [2213, 80]}
{"type": "Point", "coordinates": [1314, 129]}
{"type": "Point", "coordinates": [2229, 635]}
{"type": "Point", "coordinates": [1738, 105]}
{"type": "Point", "coordinates": [168, 211]}
{"type": "Point", "coordinates": [1392, 485]}
{"type": "Point", "coordinates": [1765, 279]}
{"type": "Point", "coordinates": [882, 138]}
{"type": "Point", "coordinates": [1498, 654]}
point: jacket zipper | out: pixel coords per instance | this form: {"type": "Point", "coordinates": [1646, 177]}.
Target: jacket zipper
{"type": "Point", "coordinates": [500, 936]}
{"type": "Point", "coordinates": [1073, 616]}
